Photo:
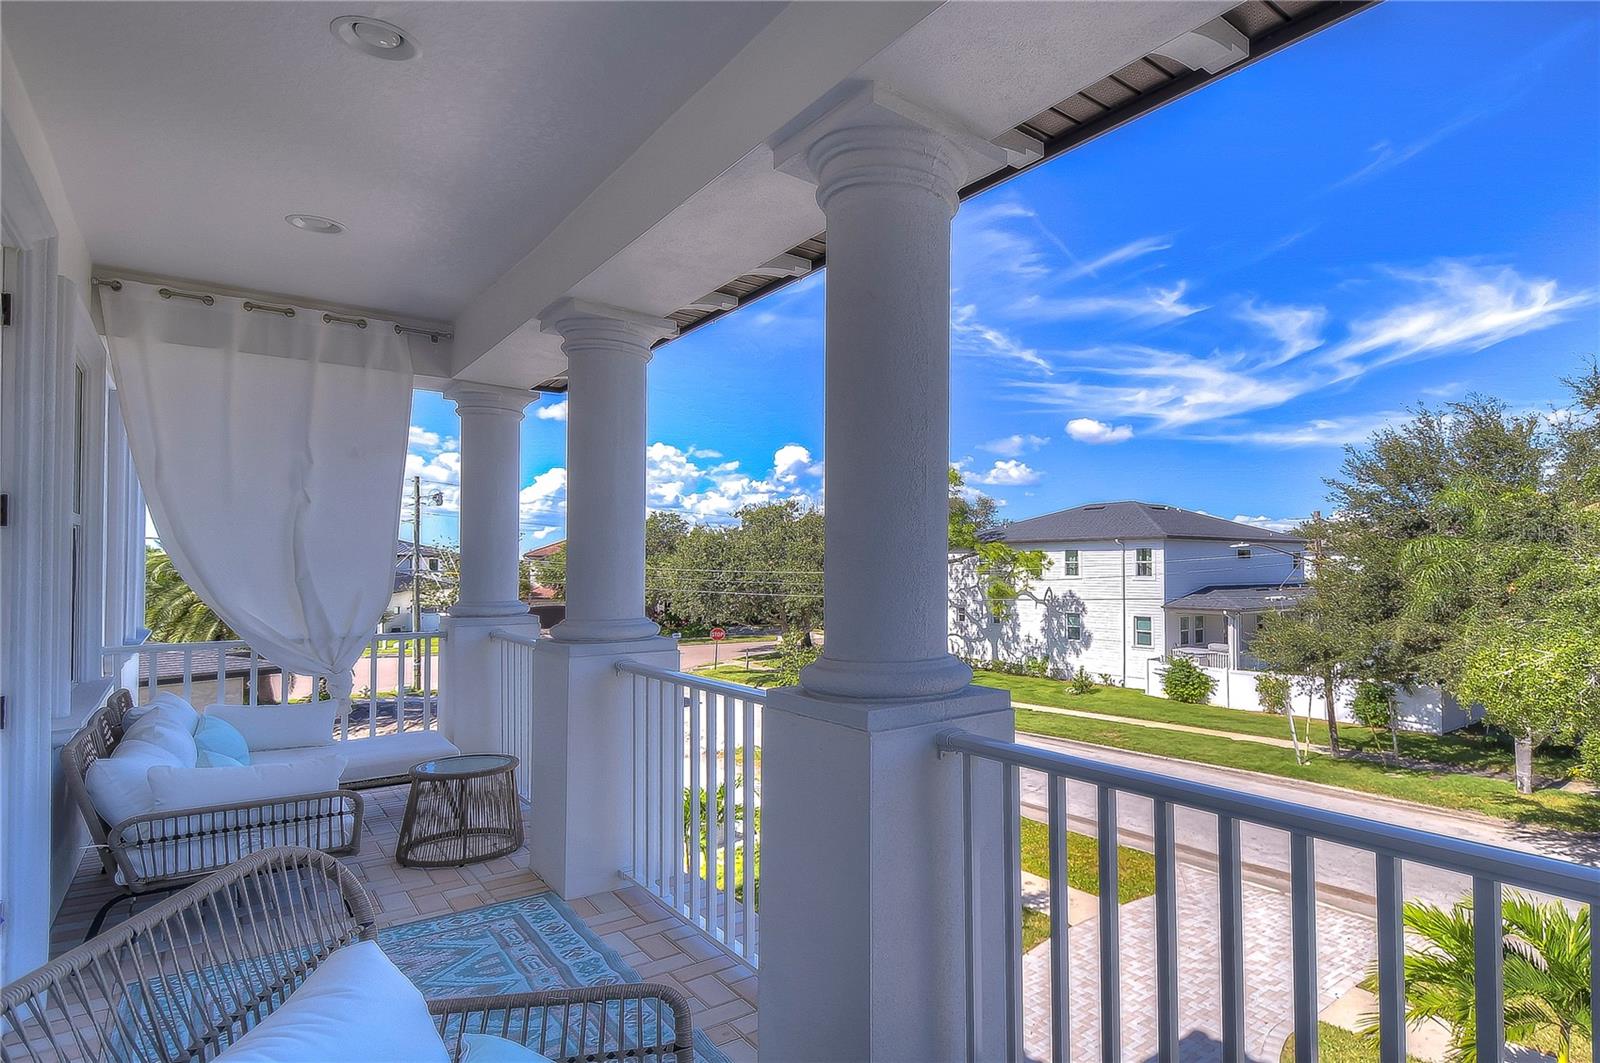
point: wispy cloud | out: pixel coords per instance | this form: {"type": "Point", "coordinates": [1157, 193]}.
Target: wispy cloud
{"type": "Point", "coordinates": [970, 336]}
{"type": "Point", "coordinates": [1014, 446]}
{"type": "Point", "coordinates": [1145, 245]}
{"type": "Point", "coordinates": [1277, 524]}
{"type": "Point", "coordinates": [1153, 303]}
{"type": "Point", "coordinates": [1297, 328]}
{"type": "Point", "coordinates": [1089, 430]}
{"type": "Point", "coordinates": [1318, 432]}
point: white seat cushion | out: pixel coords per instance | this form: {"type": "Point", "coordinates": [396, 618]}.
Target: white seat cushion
{"type": "Point", "coordinates": [280, 726]}
{"type": "Point", "coordinates": [180, 788]}
{"type": "Point", "coordinates": [487, 1048]}
{"type": "Point", "coordinates": [355, 1007]}
{"type": "Point", "coordinates": [382, 757]}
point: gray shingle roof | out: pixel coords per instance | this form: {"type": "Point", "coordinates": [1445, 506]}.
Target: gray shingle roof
{"type": "Point", "coordinates": [1136, 520]}
{"type": "Point", "coordinates": [1241, 599]}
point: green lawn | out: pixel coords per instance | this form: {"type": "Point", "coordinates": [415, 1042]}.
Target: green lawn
{"type": "Point", "coordinates": [1470, 750]}
{"type": "Point", "coordinates": [1338, 1045]}
{"type": "Point", "coordinates": [391, 647]}
{"type": "Point", "coordinates": [737, 673]}
{"type": "Point", "coordinates": [1136, 869]}
{"type": "Point", "coordinates": [729, 641]}
{"type": "Point", "coordinates": [1035, 927]}
{"type": "Point", "coordinates": [1469, 793]}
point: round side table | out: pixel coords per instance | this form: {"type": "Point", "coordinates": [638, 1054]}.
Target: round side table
{"type": "Point", "coordinates": [461, 810]}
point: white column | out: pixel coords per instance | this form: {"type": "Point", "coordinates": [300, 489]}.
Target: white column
{"type": "Point", "coordinates": [491, 460]}
{"type": "Point", "coordinates": [862, 893]}
{"type": "Point", "coordinates": [583, 710]}
{"type": "Point", "coordinates": [472, 707]}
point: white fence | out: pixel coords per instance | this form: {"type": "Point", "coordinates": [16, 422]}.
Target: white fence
{"type": "Point", "coordinates": [396, 682]}
{"type": "Point", "coordinates": [516, 655]}
{"type": "Point", "coordinates": [1491, 869]}
{"type": "Point", "coordinates": [1426, 708]}
{"type": "Point", "coordinates": [697, 801]}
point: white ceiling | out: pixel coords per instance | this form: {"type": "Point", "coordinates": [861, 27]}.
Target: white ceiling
{"type": "Point", "coordinates": [184, 132]}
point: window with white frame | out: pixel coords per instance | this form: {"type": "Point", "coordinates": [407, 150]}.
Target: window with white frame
{"type": "Point", "coordinates": [1143, 631]}
{"type": "Point", "coordinates": [1183, 631]}
{"type": "Point", "coordinates": [1199, 628]}
{"type": "Point", "coordinates": [1074, 627]}
{"type": "Point", "coordinates": [1069, 562]}
{"type": "Point", "coordinates": [1144, 561]}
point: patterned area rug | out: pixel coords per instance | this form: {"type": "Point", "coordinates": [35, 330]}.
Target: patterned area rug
{"type": "Point", "coordinates": [515, 946]}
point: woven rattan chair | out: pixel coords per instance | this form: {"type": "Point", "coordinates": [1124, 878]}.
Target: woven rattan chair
{"type": "Point", "coordinates": [163, 851]}
{"type": "Point", "coordinates": [186, 978]}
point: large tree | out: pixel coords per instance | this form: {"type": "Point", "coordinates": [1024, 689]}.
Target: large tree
{"type": "Point", "coordinates": [765, 570]}
{"type": "Point", "coordinates": [975, 528]}
{"type": "Point", "coordinates": [172, 610]}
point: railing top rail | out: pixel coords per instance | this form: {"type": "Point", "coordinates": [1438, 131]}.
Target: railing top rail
{"type": "Point", "coordinates": [688, 679]}
{"type": "Point", "coordinates": [132, 648]}
{"type": "Point", "coordinates": [1508, 866]}
{"type": "Point", "coordinates": [500, 634]}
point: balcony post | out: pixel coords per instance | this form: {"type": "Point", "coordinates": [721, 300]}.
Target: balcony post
{"type": "Point", "coordinates": [490, 592]}
{"type": "Point", "coordinates": [863, 882]}
{"type": "Point", "coordinates": [583, 717]}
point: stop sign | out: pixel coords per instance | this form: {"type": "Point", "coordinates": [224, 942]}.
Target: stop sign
{"type": "Point", "coordinates": [717, 634]}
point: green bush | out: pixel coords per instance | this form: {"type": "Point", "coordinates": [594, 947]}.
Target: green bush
{"type": "Point", "coordinates": [1038, 667]}
{"type": "Point", "coordinates": [793, 655]}
{"type": "Point", "coordinates": [1082, 682]}
{"type": "Point", "coordinates": [1273, 693]}
{"type": "Point", "coordinates": [1106, 680]}
{"type": "Point", "coordinates": [1185, 682]}
{"type": "Point", "coordinates": [1374, 705]}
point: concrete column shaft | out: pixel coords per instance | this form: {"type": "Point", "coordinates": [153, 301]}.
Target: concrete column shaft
{"type": "Point", "coordinates": [491, 460]}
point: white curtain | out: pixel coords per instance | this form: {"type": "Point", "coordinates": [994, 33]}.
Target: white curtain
{"type": "Point", "coordinates": [272, 451]}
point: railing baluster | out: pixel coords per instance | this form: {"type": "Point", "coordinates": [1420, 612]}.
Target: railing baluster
{"type": "Point", "coordinates": [188, 674]}
{"type": "Point", "coordinates": [1110, 929]}
{"type": "Point", "coordinates": [730, 866]}
{"type": "Point", "coordinates": [1303, 932]}
{"type": "Point", "coordinates": [1488, 967]}
{"type": "Point", "coordinates": [1167, 1033]}
{"type": "Point", "coordinates": [1060, 997]}
{"type": "Point", "coordinates": [752, 768]}
{"type": "Point", "coordinates": [639, 754]}
{"type": "Point", "coordinates": [652, 791]}
{"type": "Point", "coordinates": [1011, 855]}
{"type": "Point", "coordinates": [372, 681]}
{"type": "Point", "coordinates": [670, 696]}
{"type": "Point", "coordinates": [1594, 971]}
{"type": "Point", "coordinates": [974, 945]}
{"type": "Point", "coordinates": [696, 711]}
{"type": "Point", "coordinates": [255, 679]}
{"type": "Point", "coordinates": [710, 919]}
{"type": "Point", "coordinates": [1391, 962]}
{"type": "Point", "coordinates": [427, 684]}
{"type": "Point", "coordinates": [680, 844]}
{"type": "Point", "coordinates": [1230, 896]}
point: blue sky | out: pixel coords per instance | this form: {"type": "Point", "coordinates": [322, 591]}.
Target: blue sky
{"type": "Point", "coordinates": [1205, 306]}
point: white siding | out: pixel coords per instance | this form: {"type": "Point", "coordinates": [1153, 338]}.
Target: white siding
{"type": "Point", "coordinates": [1193, 564]}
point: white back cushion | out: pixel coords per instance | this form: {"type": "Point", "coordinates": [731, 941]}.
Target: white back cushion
{"type": "Point", "coordinates": [188, 787]}
{"type": "Point", "coordinates": [168, 705]}
{"type": "Point", "coordinates": [119, 785]}
{"type": "Point", "coordinates": [280, 726]}
{"type": "Point", "coordinates": [159, 728]}
{"type": "Point", "coordinates": [356, 1007]}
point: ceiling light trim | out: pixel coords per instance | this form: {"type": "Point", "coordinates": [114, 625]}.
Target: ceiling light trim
{"type": "Point", "coordinates": [315, 223]}
{"type": "Point", "coordinates": [371, 36]}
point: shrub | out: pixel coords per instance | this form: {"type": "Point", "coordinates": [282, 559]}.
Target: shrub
{"type": "Point", "coordinates": [1373, 705]}
{"type": "Point", "coordinates": [1082, 682]}
{"type": "Point", "coordinates": [793, 655]}
{"type": "Point", "coordinates": [1273, 692]}
{"type": "Point", "coordinates": [1038, 667]}
{"type": "Point", "coordinates": [1106, 680]}
{"type": "Point", "coordinates": [1185, 682]}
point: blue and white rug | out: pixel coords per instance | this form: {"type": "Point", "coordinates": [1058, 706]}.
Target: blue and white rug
{"type": "Point", "coordinates": [529, 944]}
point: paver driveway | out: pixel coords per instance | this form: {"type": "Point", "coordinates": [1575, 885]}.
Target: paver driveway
{"type": "Point", "coordinates": [1346, 945]}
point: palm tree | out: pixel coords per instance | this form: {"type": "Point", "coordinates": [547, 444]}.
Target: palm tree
{"type": "Point", "coordinates": [1546, 975]}
{"type": "Point", "coordinates": [172, 610]}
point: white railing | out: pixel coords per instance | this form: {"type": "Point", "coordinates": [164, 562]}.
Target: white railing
{"type": "Point", "coordinates": [1202, 658]}
{"type": "Point", "coordinates": [697, 801]}
{"type": "Point", "coordinates": [1490, 869]}
{"type": "Point", "coordinates": [515, 654]}
{"type": "Point", "coordinates": [396, 682]}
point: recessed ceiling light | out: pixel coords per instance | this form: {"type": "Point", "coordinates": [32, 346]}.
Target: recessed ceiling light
{"type": "Point", "coordinates": [313, 224]}
{"type": "Point", "coordinates": [373, 36]}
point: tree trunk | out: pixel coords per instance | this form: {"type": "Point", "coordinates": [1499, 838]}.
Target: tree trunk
{"type": "Point", "coordinates": [1524, 769]}
{"type": "Point", "coordinates": [1329, 690]}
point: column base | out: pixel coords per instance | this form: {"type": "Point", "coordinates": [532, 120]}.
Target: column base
{"type": "Point", "coordinates": [470, 701]}
{"type": "Point", "coordinates": [877, 681]}
{"type": "Point", "coordinates": [496, 609]}
{"type": "Point", "coordinates": [862, 874]}
{"type": "Point", "coordinates": [627, 630]}
{"type": "Point", "coordinates": [582, 823]}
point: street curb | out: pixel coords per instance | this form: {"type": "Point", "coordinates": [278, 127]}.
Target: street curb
{"type": "Point", "coordinates": [1327, 788]}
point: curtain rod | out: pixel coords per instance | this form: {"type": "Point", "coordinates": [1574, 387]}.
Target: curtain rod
{"type": "Point", "coordinates": [434, 335]}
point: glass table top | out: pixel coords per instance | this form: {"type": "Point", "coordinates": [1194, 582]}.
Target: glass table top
{"type": "Point", "coordinates": [465, 764]}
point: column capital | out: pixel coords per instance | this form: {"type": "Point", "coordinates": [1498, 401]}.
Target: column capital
{"type": "Point", "coordinates": [585, 326]}
{"type": "Point", "coordinates": [869, 137]}
{"type": "Point", "coordinates": [473, 397]}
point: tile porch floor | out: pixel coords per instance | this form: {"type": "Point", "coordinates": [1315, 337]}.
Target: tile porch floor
{"type": "Point", "coordinates": [662, 948]}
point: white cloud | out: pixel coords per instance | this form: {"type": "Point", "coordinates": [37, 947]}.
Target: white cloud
{"type": "Point", "coordinates": [554, 412]}
{"type": "Point", "coordinates": [1009, 474]}
{"type": "Point", "coordinates": [970, 336]}
{"type": "Point", "coordinates": [425, 439]}
{"type": "Point", "coordinates": [1297, 328]}
{"type": "Point", "coordinates": [545, 497]}
{"type": "Point", "coordinates": [1277, 524]}
{"type": "Point", "coordinates": [1126, 253]}
{"type": "Point", "coordinates": [1089, 430]}
{"type": "Point", "coordinates": [1318, 432]}
{"type": "Point", "coordinates": [1014, 446]}
{"type": "Point", "coordinates": [676, 480]}
{"type": "Point", "coordinates": [792, 461]}
{"type": "Point", "coordinates": [1156, 304]}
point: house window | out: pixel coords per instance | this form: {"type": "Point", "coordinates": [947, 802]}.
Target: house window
{"type": "Point", "coordinates": [1199, 631]}
{"type": "Point", "coordinates": [433, 564]}
{"type": "Point", "coordinates": [1144, 562]}
{"type": "Point", "coordinates": [1142, 631]}
{"type": "Point", "coordinates": [1183, 631]}
{"type": "Point", "coordinates": [1074, 627]}
{"type": "Point", "coordinates": [1069, 563]}
{"type": "Point", "coordinates": [1243, 552]}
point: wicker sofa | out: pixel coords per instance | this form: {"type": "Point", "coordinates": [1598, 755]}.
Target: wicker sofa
{"type": "Point", "coordinates": [189, 976]}
{"type": "Point", "coordinates": [162, 851]}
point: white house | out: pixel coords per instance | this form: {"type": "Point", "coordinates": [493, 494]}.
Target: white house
{"type": "Point", "coordinates": [1131, 582]}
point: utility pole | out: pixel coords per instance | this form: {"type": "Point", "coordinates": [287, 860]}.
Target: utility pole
{"type": "Point", "coordinates": [416, 551]}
